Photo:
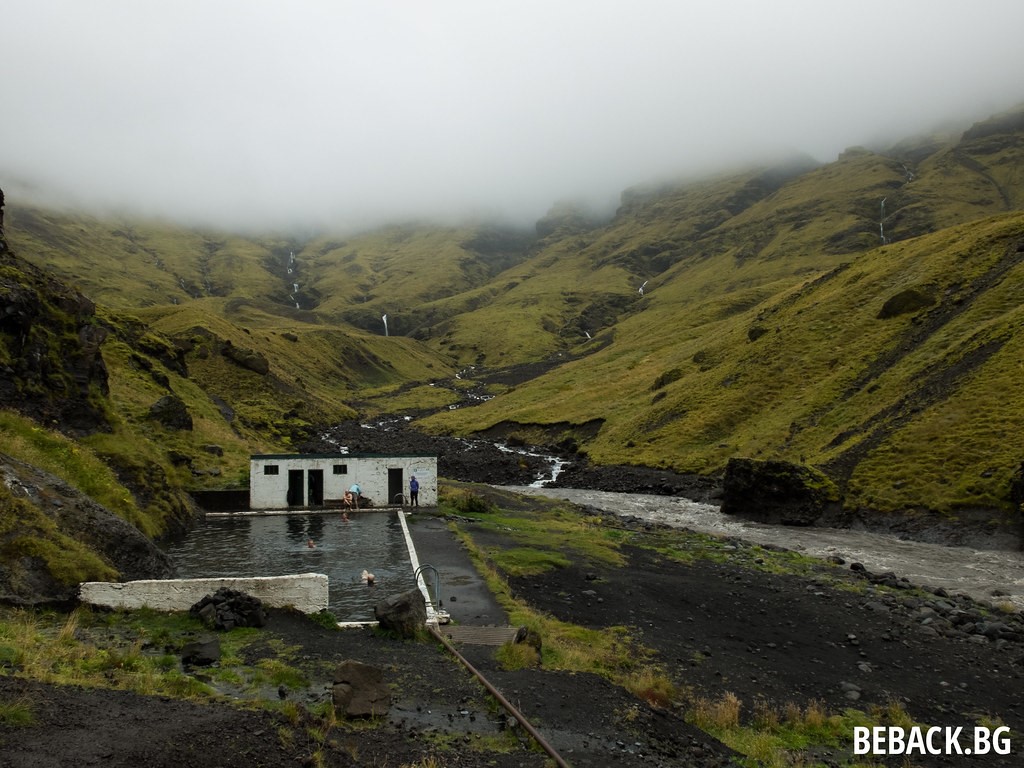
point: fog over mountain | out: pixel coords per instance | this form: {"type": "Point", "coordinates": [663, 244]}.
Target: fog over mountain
{"type": "Point", "coordinates": [318, 113]}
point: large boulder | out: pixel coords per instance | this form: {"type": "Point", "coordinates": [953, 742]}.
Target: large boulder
{"type": "Point", "coordinates": [404, 614]}
{"type": "Point", "coordinates": [359, 690]}
{"type": "Point", "coordinates": [201, 653]}
{"type": "Point", "coordinates": [776, 492]}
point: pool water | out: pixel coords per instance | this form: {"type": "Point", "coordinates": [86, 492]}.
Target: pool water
{"type": "Point", "coordinates": [277, 545]}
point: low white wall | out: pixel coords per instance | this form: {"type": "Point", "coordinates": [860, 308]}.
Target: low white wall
{"type": "Point", "coordinates": [306, 592]}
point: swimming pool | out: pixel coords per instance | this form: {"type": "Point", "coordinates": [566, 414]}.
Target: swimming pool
{"type": "Point", "coordinates": [270, 544]}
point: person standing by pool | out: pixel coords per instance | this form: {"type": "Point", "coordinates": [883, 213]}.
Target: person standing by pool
{"type": "Point", "coordinates": [414, 492]}
{"type": "Point", "coordinates": [355, 490]}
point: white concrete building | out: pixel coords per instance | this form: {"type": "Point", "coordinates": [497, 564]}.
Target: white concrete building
{"type": "Point", "coordinates": [297, 480]}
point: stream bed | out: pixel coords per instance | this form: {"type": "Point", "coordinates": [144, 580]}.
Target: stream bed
{"type": "Point", "coordinates": [981, 573]}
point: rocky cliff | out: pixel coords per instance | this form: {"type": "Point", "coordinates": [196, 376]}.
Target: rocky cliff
{"type": "Point", "coordinates": [51, 368]}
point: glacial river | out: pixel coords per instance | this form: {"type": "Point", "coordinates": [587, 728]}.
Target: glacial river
{"type": "Point", "coordinates": [976, 572]}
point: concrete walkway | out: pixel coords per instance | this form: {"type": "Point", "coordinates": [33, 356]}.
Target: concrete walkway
{"type": "Point", "coordinates": [463, 592]}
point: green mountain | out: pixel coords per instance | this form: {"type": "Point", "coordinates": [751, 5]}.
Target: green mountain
{"type": "Point", "coordinates": [860, 316]}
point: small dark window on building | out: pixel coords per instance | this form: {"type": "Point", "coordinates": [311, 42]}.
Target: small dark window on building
{"type": "Point", "coordinates": [341, 469]}
{"type": "Point", "coordinates": [270, 469]}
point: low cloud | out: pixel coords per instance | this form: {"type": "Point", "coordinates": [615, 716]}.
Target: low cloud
{"type": "Point", "coordinates": [341, 115]}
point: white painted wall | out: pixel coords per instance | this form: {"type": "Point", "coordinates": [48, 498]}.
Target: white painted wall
{"type": "Point", "coordinates": [306, 592]}
{"type": "Point", "coordinates": [371, 473]}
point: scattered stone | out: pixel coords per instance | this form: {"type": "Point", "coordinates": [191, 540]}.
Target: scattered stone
{"type": "Point", "coordinates": [228, 608]}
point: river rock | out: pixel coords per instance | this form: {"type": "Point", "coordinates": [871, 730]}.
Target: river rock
{"type": "Point", "coordinates": [359, 690]}
{"type": "Point", "coordinates": [201, 653]}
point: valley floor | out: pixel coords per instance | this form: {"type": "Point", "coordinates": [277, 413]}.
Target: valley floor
{"type": "Point", "coordinates": [717, 626]}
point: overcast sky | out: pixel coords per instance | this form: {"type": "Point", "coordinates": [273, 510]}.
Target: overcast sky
{"type": "Point", "coordinates": [336, 113]}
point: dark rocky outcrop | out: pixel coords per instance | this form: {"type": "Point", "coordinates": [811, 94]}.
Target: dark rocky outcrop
{"type": "Point", "coordinates": [1017, 488]}
{"type": "Point", "coordinates": [53, 371]}
{"type": "Point", "coordinates": [246, 358]}
{"type": "Point", "coordinates": [26, 577]}
{"type": "Point", "coordinates": [359, 690]}
{"type": "Point", "coordinates": [171, 411]}
{"type": "Point", "coordinates": [404, 614]}
{"type": "Point", "coordinates": [776, 492]}
{"type": "Point", "coordinates": [904, 302]}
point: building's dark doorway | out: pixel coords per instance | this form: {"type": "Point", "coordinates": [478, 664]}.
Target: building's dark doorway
{"type": "Point", "coordinates": [315, 497]}
{"type": "Point", "coordinates": [396, 486]}
{"type": "Point", "coordinates": [295, 487]}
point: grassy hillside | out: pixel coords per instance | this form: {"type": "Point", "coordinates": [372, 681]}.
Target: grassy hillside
{"type": "Point", "coordinates": [120, 263]}
{"type": "Point", "coordinates": [919, 409]}
{"type": "Point", "coordinates": [861, 315]}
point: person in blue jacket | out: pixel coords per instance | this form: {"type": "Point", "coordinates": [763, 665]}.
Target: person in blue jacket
{"type": "Point", "coordinates": [355, 490]}
{"type": "Point", "coordinates": [414, 491]}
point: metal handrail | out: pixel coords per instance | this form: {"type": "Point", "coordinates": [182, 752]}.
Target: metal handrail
{"type": "Point", "coordinates": [437, 583]}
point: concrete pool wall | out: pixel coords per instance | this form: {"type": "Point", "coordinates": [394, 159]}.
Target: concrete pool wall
{"type": "Point", "coordinates": [306, 592]}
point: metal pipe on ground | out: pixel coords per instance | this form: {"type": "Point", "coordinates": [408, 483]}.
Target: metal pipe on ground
{"type": "Point", "coordinates": [509, 707]}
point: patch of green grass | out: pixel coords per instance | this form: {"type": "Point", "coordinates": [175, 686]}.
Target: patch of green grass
{"type": "Point", "coordinates": [513, 656]}
{"type": "Point", "coordinates": [128, 650]}
{"type": "Point", "coordinates": [279, 673]}
{"type": "Point", "coordinates": [545, 538]}
{"type": "Point", "coordinates": [522, 561]}
{"type": "Point", "coordinates": [17, 714]}
{"type": "Point", "coordinates": [775, 737]}
{"type": "Point", "coordinates": [325, 619]}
